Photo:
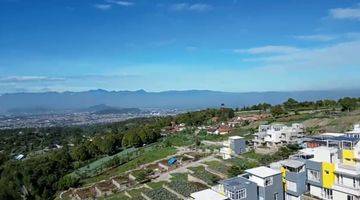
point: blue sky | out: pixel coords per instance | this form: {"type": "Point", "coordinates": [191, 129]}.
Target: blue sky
{"type": "Point", "coordinates": [226, 45]}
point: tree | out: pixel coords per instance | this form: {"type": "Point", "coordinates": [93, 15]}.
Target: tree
{"type": "Point", "coordinates": [131, 139]}
{"type": "Point", "coordinates": [108, 144]}
{"type": "Point", "coordinates": [80, 153]}
{"type": "Point", "coordinates": [277, 111]}
{"type": "Point", "coordinates": [348, 104]}
{"type": "Point", "coordinates": [68, 181]}
{"type": "Point", "coordinates": [291, 104]}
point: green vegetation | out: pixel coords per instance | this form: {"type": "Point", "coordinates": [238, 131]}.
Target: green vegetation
{"type": "Point", "coordinates": [202, 174]}
{"type": "Point", "coordinates": [345, 104]}
{"type": "Point", "coordinates": [147, 155]}
{"type": "Point", "coordinates": [218, 166]}
{"type": "Point", "coordinates": [136, 193]}
{"type": "Point", "coordinates": [102, 164]}
{"type": "Point", "coordinates": [97, 152]}
{"type": "Point", "coordinates": [156, 185]}
{"type": "Point", "coordinates": [239, 165]}
{"type": "Point", "coordinates": [184, 138]}
{"type": "Point", "coordinates": [118, 196]}
{"type": "Point", "coordinates": [161, 194]}
{"type": "Point", "coordinates": [179, 177]}
{"type": "Point", "coordinates": [185, 188]}
{"type": "Point", "coordinates": [142, 174]}
{"type": "Point", "coordinates": [282, 153]}
{"type": "Point", "coordinates": [205, 116]}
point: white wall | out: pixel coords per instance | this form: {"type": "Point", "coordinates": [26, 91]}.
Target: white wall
{"type": "Point", "coordinates": [339, 195]}
{"type": "Point", "coordinates": [290, 197]}
{"type": "Point", "coordinates": [315, 191]}
{"type": "Point", "coordinates": [257, 180]}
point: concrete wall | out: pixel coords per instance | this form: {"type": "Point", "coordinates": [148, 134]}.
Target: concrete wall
{"type": "Point", "coordinates": [277, 187]}
{"type": "Point", "coordinates": [315, 191]}
{"type": "Point", "coordinates": [300, 180]}
{"type": "Point", "coordinates": [312, 165]}
{"type": "Point", "coordinates": [238, 146]}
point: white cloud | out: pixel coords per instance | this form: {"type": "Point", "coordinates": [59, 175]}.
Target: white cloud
{"type": "Point", "coordinates": [19, 79]}
{"type": "Point", "coordinates": [198, 7]}
{"type": "Point", "coordinates": [320, 38]}
{"type": "Point", "coordinates": [271, 49]}
{"type": "Point", "coordinates": [344, 54]}
{"type": "Point", "coordinates": [103, 6]}
{"type": "Point", "coordinates": [346, 13]}
{"type": "Point", "coordinates": [121, 3]}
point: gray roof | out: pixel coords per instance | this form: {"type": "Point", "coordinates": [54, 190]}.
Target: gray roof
{"type": "Point", "coordinates": [293, 163]}
{"type": "Point", "coordinates": [236, 183]}
{"type": "Point", "coordinates": [335, 138]}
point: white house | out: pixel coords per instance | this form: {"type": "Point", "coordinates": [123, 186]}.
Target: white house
{"type": "Point", "coordinates": [278, 134]}
{"type": "Point", "coordinates": [355, 132]}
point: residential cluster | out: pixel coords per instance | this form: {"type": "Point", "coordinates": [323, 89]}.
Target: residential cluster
{"type": "Point", "coordinates": [276, 135]}
{"type": "Point", "coordinates": [73, 118]}
{"type": "Point", "coordinates": [329, 168]}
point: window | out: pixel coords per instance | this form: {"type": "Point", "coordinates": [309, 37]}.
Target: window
{"type": "Point", "coordinates": [339, 179]}
{"type": "Point", "coordinates": [350, 197]}
{"type": "Point", "coordinates": [276, 196]}
{"type": "Point", "coordinates": [291, 186]}
{"type": "Point", "coordinates": [268, 181]}
{"type": "Point", "coordinates": [237, 195]}
{"type": "Point", "coordinates": [313, 175]}
{"type": "Point", "coordinates": [242, 193]}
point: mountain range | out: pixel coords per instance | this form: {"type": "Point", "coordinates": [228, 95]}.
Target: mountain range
{"type": "Point", "coordinates": [188, 99]}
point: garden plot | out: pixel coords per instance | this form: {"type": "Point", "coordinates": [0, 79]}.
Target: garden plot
{"type": "Point", "coordinates": [218, 167]}
{"type": "Point", "coordinates": [121, 182]}
{"type": "Point", "coordinates": [85, 193]}
{"type": "Point", "coordinates": [160, 194]}
{"type": "Point", "coordinates": [205, 176]}
{"type": "Point", "coordinates": [185, 188]}
{"type": "Point", "coordinates": [163, 164]}
{"type": "Point", "coordinates": [179, 177]}
{"type": "Point", "coordinates": [156, 185]}
{"type": "Point", "coordinates": [136, 193]}
{"type": "Point", "coordinates": [142, 175]}
{"type": "Point", "coordinates": [105, 188]}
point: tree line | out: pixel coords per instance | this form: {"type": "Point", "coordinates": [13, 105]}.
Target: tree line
{"type": "Point", "coordinates": [345, 104]}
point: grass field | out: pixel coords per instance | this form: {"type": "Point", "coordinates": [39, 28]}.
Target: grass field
{"type": "Point", "coordinates": [148, 156]}
{"type": "Point", "coordinates": [97, 166]}
{"type": "Point", "coordinates": [180, 139]}
{"type": "Point", "coordinates": [217, 166]}
{"type": "Point", "coordinates": [156, 185]}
